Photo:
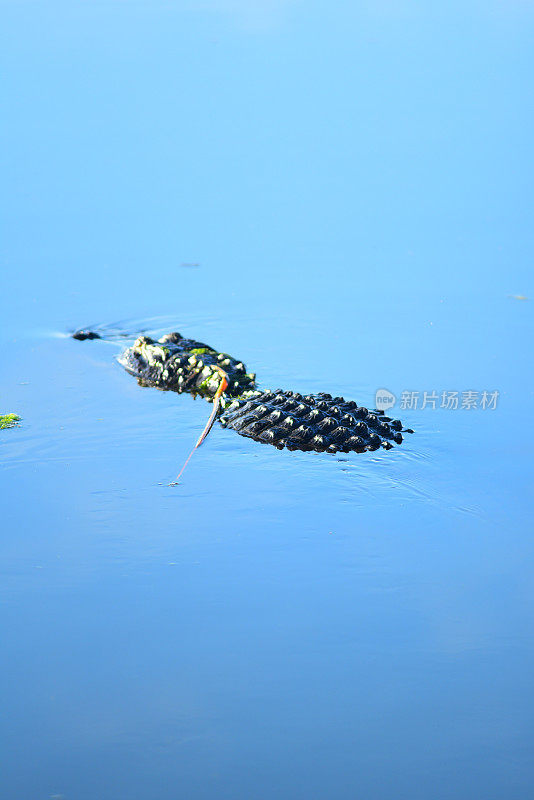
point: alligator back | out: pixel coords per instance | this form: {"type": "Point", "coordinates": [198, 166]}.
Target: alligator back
{"type": "Point", "coordinates": [311, 422]}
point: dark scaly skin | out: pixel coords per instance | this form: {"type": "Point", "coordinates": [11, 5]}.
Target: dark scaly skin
{"type": "Point", "coordinates": [319, 422]}
{"type": "Point", "coordinates": [185, 365]}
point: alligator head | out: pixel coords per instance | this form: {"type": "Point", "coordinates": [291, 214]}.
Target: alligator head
{"type": "Point", "coordinates": [184, 365]}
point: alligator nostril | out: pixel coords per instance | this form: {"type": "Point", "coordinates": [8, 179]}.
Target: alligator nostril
{"type": "Point", "coordinates": [83, 335]}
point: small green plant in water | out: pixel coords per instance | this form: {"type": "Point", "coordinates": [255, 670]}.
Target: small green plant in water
{"type": "Point", "coordinates": [8, 420]}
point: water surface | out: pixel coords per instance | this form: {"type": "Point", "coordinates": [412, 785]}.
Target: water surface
{"type": "Point", "coordinates": [340, 200]}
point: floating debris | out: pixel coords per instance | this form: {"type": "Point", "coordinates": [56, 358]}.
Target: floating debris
{"type": "Point", "coordinates": [9, 420]}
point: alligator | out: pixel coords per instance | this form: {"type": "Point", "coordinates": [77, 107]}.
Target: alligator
{"type": "Point", "coordinates": [312, 422]}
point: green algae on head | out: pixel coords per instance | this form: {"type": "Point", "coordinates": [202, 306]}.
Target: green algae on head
{"type": "Point", "coordinates": [9, 420]}
{"type": "Point", "coordinates": [184, 365]}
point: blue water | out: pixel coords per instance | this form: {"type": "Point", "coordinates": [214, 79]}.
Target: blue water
{"type": "Point", "coordinates": [341, 197]}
